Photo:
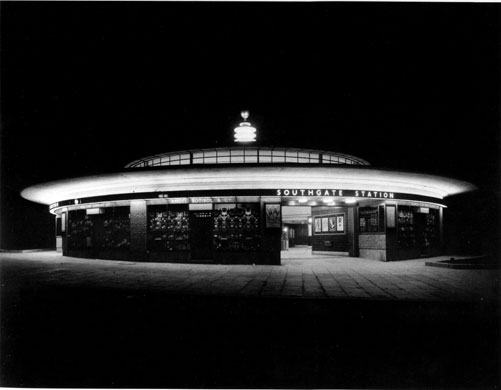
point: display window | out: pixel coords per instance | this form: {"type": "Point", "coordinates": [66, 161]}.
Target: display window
{"type": "Point", "coordinates": [406, 227]}
{"type": "Point", "coordinates": [334, 223]}
{"type": "Point", "coordinates": [236, 227]}
{"type": "Point", "coordinates": [107, 229]}
{"type": "Point", "coordinates": [318, 225]}
{"type": "Point", "coordinates": [431, 229]}
{"type": "Point", "coordinates": [418, 227]}
{"type": "Point", "coordinates": [168, 228]}
{"type": "Point", "coordinates": [371, 219]}
{"type": "Point", "coordinates": [80, 230]}
{"type": "Point", "coordinates": [116, 224]}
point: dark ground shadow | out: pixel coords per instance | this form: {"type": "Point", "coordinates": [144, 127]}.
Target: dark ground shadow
{"type": "Point", "coordinates": [75, 337]}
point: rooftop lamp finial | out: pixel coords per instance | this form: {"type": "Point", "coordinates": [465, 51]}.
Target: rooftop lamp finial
{"type": "Point", "coordinates": [245, 132]}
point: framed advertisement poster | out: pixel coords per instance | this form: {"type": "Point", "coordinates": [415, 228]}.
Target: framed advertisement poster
{"type": "Point", "coordinates": [329, 224]}
{"type": "Point", "coordinates": [332, 224]}
{"type": "Point", "coordinates": [340, 223]}
{"type": "Point", "coordinates": [273, 216]}
{"type": "Point", "coordinates": [325, 224]}
{"type": "Point", "coordinates": [318, 225]}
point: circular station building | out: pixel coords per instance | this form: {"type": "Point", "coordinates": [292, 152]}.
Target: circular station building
{"type": "Point", "coordinates": [245, 205]}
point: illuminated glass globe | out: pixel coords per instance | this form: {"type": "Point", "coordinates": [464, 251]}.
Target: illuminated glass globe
{"type": "Point", "coordinates": [245, 132]}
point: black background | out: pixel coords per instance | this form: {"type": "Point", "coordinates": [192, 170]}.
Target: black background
{"type": "Point", "coordinates": [88, 87]}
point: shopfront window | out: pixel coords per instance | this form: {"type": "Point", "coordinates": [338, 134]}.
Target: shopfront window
{"type": "Point", "coordinates": [80, 230]}
{"type": "Point", "coordinates": [236, 227]}
{"type": "Point", "coordinates": [168, 229]}
{"type": "Point", "coordinates": [418, 226]}
{"type": "Point", "coordinates": [116, 228]}
{"type": "Point", "coordinates": [371, 219]}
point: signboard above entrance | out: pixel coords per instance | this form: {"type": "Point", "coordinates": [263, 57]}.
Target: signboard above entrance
{"type": "Point", "coordinates": [331, 192]}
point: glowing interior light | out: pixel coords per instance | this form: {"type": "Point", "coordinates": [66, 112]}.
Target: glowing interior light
{"type": "Point", "coordinates": [302, 200]}
{"type": "Point", "coordinates": [350, 201]}
{"type": "Point", "coordinates": [329, 200]}
{"type": "Point", "coordinates": [310, 219]}
{"type": "Point", "coordinates": [285, 229]}
{"type": "Point", "coordinates": [331, 204]}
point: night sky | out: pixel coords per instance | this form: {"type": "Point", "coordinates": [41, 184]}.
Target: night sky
{"type": "Point", "coordinates": [88, 87]}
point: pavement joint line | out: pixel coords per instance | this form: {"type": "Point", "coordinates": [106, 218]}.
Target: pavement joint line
{"type": "Point", "coordinates": [428, 284]}
{"type": "Point", "coordinates": [375, 285]}
{"type": "Point", "coordinates": [339, 284]}
{"type": "Point", "coordinates": [284, 281]}
{"type": "Point", "coordinates": [245, 285]}
{"type": "Point", "coordinates": [355, 281]}
{"type": "Point", "coordinates": [265, 283]}
{"type": "Point", "coordinates": [319, 282]}
{"type": "Point", "coordinates": [209, 284]}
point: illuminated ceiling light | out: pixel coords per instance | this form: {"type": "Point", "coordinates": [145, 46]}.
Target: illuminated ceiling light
{"type": "Point", "coordinates": [331, 204]}
{"type": "Point", "coordinates": [302, 200]}
{"type": "Point", "coordinates": [350, 201]}
{"type": "Point", "coordinates": [329, 200]}
{"type": "Point", "coordinates": [245, 132]}
{"type": "Point", "coordinates": [310, 219]}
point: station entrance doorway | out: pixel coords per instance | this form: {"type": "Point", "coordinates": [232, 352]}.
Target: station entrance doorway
{"type": "Point", "coordinates": [296, 232]}
{"type": "Point", "coordinates": [312, 230]}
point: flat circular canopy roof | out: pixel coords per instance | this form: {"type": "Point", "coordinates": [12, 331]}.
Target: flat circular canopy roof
{"type": "Point", "coordinates": [204, 178]}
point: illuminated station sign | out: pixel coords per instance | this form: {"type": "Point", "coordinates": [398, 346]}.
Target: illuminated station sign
{"type": "Point", "coordinates": [330, 192]}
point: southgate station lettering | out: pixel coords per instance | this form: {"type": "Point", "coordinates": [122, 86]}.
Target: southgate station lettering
{"type": "Point", "coordinates": [331, 192]}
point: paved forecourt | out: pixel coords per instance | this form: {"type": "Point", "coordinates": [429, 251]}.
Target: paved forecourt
{"type": "Point", "coordinates": [313, 277]}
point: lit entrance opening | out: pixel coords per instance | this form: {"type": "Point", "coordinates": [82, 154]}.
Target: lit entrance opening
{"type": "Point", "coordinates": [296, 232]}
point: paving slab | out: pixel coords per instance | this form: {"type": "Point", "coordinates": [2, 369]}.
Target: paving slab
{"type": "Point", "coordinates": [313, 277]}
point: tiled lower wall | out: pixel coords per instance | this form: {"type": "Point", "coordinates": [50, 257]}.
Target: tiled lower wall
{"type": "Point", "coordinates": [59, 243]}
{"type": "Point", "coordinates": [372, 246]}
